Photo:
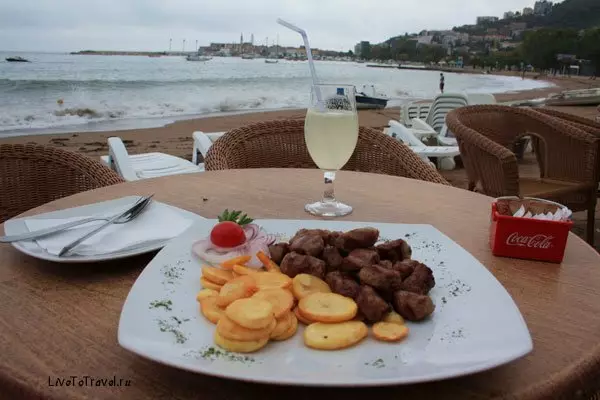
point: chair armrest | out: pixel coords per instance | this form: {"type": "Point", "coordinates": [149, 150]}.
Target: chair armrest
{"type": "Point", "coordinates": [487, 162]}
{"type": "Point", "coordinates": [419, 124]}
{"type": "Point", "coordinates": [201, 145]}
{"type": "Point", "coordinates": [402, 133]}
{"type": "Point", "coordinates": [119, 158]}
{"type": "Point", "coordinates": [447, 141]}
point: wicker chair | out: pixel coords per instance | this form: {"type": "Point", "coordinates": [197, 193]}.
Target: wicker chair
{"type": "Point", "coordinates": [582, 123]}
{"type": "Point", "coordinates": [32, 175]}
{"type": "Point", "coordinates": [569, 156]}
{"type": "Point", "coordinates": [280, 144]}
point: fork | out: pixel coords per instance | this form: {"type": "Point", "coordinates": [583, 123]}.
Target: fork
{"type": "Point", "coordinates": [122, 218]}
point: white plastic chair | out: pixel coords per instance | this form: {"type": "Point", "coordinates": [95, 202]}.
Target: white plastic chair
{"type": "Point", "coordinates": [203, 142]}
{"type": "Point", "coordinates": [412, 110]}
{"type": "Point", "coordinates": [481, 98]}
{"type": "Point", "coordinates": [144, 166]}
{"type": "Point", "coordinates": [436, 118]}
{"type": "Point", "coordinates": [445, 137]}
{"type": "Point", "coordinates": [444, 154]}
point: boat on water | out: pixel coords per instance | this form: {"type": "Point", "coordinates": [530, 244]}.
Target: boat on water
{"type": "Point", "coordinates": [271, 61]}
{"type": "Point", "coordinates": [368, 98]}
{"type": "Point", "coordinates": [197, 57]}
{"type": "Point", "coordinates": [248, 56]}
{"type": "Point", "coordinates": [16, 59]}
{"type": "Point", "coordinates": [581, 97]}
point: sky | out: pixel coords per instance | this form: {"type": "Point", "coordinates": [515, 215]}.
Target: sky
{"type": "Point", "coordinates": [71, 25]}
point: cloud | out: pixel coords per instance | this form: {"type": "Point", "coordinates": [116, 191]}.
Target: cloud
{"type": "Point", "coordinates": [65, 25]}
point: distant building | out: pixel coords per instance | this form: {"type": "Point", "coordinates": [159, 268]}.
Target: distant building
{"type": "Point", "coordinates": [494, 38]}
{"type": "Point", "coordinates": [481, 20]}
{"type": "Point", "coordinates": [520, 26]}
{"type": "Point", "coordinates": [543, 7]}
{"type": "Point", "coordinates": [362, 48]}
{"type": "Point", "coordinates": [528, 11]}
{"type": "Point", "coordinates": [424, 40]}
{"type": "Point", "coordinates": [509, 15]}
{"type": "Point", "coordinates": [508, 45]}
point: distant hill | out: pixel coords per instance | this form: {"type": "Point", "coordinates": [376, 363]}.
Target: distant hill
{"type": "Point", "coordinates": [574, 14]}
{"type": "Point", "coordinates": [578, 14]}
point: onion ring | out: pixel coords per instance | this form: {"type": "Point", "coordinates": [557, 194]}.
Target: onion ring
{"type": "Point", "coordinates": [256, 240]}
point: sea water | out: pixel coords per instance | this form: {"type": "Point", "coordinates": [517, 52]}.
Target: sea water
{"type": "Point", "coordinates": [57, 92]}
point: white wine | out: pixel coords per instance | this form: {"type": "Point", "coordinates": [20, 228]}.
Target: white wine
{"type": "Point", "coordinates": [331, 137]}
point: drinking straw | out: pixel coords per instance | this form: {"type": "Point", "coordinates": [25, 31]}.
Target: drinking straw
{"type": "Point", "coordinates": [311, 63]}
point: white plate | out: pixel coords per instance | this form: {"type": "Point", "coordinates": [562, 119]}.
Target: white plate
{"type": "Point", "coordinates": [476, 325]}
{"type": "Point", "coordinates": [30, 247]}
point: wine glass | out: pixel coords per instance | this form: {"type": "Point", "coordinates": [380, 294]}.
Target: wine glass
{"type": "Point", "coordinates": [331, 134]}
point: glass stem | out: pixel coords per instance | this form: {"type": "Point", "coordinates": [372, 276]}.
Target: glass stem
{"type": "Point", "coordinates": [328, 192]}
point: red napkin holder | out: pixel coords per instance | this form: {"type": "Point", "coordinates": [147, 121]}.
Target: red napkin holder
{"type": "Point", "coordinates": [527, 238]}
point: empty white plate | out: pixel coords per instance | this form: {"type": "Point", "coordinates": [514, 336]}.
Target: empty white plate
{"type": "Point", "coordinates": [30, 247]}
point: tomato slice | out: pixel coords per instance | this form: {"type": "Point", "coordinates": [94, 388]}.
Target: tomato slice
{"type": "Point", "coordinates": [227, 234]}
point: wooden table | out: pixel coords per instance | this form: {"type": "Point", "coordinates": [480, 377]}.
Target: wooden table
{"type": "Point", "coordinates": [61, 320]}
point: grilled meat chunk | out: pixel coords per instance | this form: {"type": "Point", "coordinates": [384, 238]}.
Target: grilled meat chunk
{"type": "Point", "coordinates": [412, 306]}
{"type": "Point", "coordinates": [336, 240]}
{"type": "Point", "coordinates": [310, 244]}
{"type": "Point", "coordinates": [421, 281]}
{"type": "Point", "coordinates": [319, 232]}
{"type": "Point", "coordinates": [371, 305]}
{"type": "Point", "coordinates": [278, 251]}
{"type": "Point", "coordinates": [294, 263]}
{"type": "Point", "coordinates": [394, 250]}
{"type": "Point", "coordinates": [358, 259]}
{"type": "Point", "coordinates": [405, 267]}
{"type": "Point", "coordinates": [342, 284]}
{"type": "Point", "coordinates": [360, 238]}
{"type": "Point", "coordinates": [380, 278]}
{"type": "Point", "coordinates": [332, 257]}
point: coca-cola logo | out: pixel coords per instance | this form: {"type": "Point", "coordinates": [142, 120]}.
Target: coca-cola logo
{"type": "Point", "coordinates": [535, 242]}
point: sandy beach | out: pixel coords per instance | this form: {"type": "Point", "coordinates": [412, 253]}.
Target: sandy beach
{"type": "Point", "coordinates": [176, 138]}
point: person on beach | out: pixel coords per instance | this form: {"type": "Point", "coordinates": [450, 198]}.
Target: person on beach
{"type": "Point", "coordinates": [442, 82]}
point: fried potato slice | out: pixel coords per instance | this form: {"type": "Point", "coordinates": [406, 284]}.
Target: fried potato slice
{"type": "Point", "coordinates": [209, 284]}
{"type": "Point", "coordinates": [291, 331]}
{"type": "Point", "coordinates": [251, 313]}
{"type": "Point", "coordinates": [240, 346]}
{"type": "Point", "coordinates": [328, 307]}
{"type": "Point", "coordinates": [282, 300]}
{"type": "Point", "coordinates": [394, 318]}
{"type": "Point", "coordinates": [301, 317]}
{"type": "Point", "coordinates": [210, 309]}
{"type": "Point", "coordinates": [334, 336]}
{"type": "Point", "coordinates": [238, 288]}
{"type": "Point", "coordinates": [241, 260]}
{"type": "Point", "coordinates": [272, 280]}
{"type": "Point", "coordinates": [204, 293]}
{"type": "Point", "coordinates": [267, 263]}
{"type": "Point", "coordinates": [243, 270]}
{"type": "Point", "coordinates": [216, 275]}
{"type": "Point", "coordinates": [390, 331]}
{"type": "Point", "coordinates": [230, 330]}
{"type": "Point", "coordinates": [283, 324]}
{"type": "Point", "coordinates": [305, 284]}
